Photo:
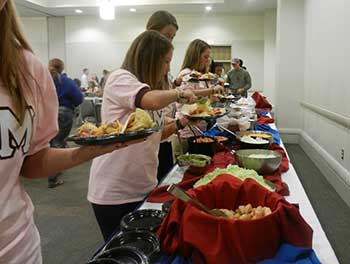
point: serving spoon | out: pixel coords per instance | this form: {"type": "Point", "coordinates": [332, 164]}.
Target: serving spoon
{"type": "Point", "coordinates": [179, 193]}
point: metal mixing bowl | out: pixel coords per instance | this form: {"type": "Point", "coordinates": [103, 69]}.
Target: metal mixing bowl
{"type": "Point", "coordinates": [246, 145]}
{"type": "Point", "coordinates": [260, 165]}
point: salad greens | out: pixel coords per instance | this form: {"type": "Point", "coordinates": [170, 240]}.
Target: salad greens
{"type": "Point", "coordinates": [237, 172]}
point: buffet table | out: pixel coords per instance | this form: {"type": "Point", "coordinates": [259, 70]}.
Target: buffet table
{"type": "Point", "coordinates": [297, 195]}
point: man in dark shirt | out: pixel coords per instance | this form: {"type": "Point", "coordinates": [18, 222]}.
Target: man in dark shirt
{"type": "Point", "coordinates": [69, 97]}
{"type": "Point", "coordinates": [239, 79]}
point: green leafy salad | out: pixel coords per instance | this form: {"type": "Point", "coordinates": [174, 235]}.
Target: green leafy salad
{"type": "Point", "coordinates": [237, 172]}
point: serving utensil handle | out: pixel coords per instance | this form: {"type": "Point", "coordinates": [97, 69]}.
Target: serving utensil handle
{"type": "Point", "coordinates": [179, 193]}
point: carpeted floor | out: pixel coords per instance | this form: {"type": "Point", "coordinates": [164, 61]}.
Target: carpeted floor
{"type": "Point", "coordinates": [70, 234]}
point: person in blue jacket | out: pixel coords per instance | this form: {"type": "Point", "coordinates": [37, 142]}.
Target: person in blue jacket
{"type": "Point", "coordinates": [69, 97]}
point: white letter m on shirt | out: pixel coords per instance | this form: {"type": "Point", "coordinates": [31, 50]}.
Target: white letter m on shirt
{"type": "Point", "coordinates": [14, 136]}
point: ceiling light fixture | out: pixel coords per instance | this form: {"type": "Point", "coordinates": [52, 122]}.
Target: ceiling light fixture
{"type": "Point", "coordinates": [107, 11]}
{"type": "Point", "coordinates": [132, 9]}
{"type": "Point", "coordinates": [208, 8]}
{"type": "Point", "coordinates": [78, 11]}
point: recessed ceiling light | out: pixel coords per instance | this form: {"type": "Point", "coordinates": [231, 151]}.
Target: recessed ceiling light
{"type": "Point", "coordinates": [132, 9]}
{"type": "Point", "coordinates": [208, 8]}
{"type": "Point", "coordinates": [78, 11]}
{"type": "Point", "coordinates": [107, 10]}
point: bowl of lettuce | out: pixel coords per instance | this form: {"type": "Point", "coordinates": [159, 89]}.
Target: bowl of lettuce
{"type": "Point", "coordinates": [237, 172]}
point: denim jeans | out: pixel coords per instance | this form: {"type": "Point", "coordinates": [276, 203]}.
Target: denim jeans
{"type": "Point", "coordinates": [65, 123]}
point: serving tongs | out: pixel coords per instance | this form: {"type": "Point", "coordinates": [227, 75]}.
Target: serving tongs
{"type": "Point", "coordinates": [227, 130]}
{"type": "Point", "coordinates": [179, 193]}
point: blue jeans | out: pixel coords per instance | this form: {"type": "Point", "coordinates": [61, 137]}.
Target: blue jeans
{"type": "Point", "coordinates": [65, 123]}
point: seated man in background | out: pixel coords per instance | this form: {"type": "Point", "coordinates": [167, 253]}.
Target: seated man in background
{"type": "Point", "coordinates": [239, 79]}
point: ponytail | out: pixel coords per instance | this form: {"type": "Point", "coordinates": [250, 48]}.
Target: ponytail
{"type": "Point", "coordinates": [56, 67]}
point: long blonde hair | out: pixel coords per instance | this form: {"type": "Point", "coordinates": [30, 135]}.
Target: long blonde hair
{"type": "Point", "coordinates": [193, 55]}
{"type": "Point", "coordinates": [146, 56]}
{"type": "Point", "coordinates": [13, 69]}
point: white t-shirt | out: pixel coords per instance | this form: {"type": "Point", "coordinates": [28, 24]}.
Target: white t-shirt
{"type": "Point", "coordinates": [84, 81]}
{"type": "Point", "coordinates": [19, 238]}
{"type": "Point", "coordinates": [129, 174]}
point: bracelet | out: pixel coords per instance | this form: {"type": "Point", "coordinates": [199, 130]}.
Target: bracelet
{"type": "Point", "coordinates": [177, 95]}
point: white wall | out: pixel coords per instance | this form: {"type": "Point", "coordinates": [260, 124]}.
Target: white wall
{"type": "Point", "coordinates": [270, 54]}
{"type": "Point", "coordinates": [100, 44]}
{"type": "Point", "coordinates": [35, 29]}
{"type": "Point", "coordinates": [56, 37]}
{"type": "Point", "coordinates": [96, 44]}
{"type": "Point", "coordinates": [327, 79]}
{"type": "Point", "coordinates": [312, 83]}
{"type": "Point", "coordinates": [289, 63]}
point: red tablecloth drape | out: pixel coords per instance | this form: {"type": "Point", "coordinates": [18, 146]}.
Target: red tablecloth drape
{"type": "Point", "coordinates": [190, 232]}
{"type": "Point", "coordinates": [261, 102]}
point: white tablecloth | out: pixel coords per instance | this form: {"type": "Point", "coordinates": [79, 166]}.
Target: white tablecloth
{"type": "Point", "coordinates": [321, 245]}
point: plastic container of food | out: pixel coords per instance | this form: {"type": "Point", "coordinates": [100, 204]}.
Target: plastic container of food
{"type": "Point", "coordinates": [201, 145]}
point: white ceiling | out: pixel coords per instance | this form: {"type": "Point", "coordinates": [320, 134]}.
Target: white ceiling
{"type": "Point", "coordinates": [90, 7]}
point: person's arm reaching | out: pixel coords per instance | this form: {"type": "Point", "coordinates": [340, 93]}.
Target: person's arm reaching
{"type": "Point", "coordinates": [158, 99]}
{"type": "Point", "coordinates": [173, 125]}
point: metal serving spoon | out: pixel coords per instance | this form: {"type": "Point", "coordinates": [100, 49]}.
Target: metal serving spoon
{"type": "Point", "coordinates": [179, 193]}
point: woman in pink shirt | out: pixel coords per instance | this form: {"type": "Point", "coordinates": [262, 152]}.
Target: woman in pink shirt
{"type": "Point", "coordinates": [120, 180]}
{"type": "Point", "coordinates": [197, 58]}
{"type": "Point", "coordinates": [28, 121]}
{"type": "Point", "coordinates": [165, 23]}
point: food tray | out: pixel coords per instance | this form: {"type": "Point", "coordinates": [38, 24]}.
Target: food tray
{"type": "Point", "coordinates": [111, 139]}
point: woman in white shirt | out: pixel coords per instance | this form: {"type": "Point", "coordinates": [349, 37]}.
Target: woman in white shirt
{"type": "Point", "coordinates": [120, 181]}
{"type": "Point", "coordinates": [28, 121]}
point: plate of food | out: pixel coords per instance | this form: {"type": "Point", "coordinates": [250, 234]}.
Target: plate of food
{"type": "Point", "coordinates": [202, 111]}
{"type": "Point", "coordinates": [207, 76]}
{"type": "Point", "coordinates": [196, 76]}
{"type": "Point", "coordinates": [138, 125]}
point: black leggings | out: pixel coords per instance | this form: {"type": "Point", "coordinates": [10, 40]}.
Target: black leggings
{"type": "Point", "coordinates": [109, 216]}
{"type": "Point", "coordinates": [166, 162]}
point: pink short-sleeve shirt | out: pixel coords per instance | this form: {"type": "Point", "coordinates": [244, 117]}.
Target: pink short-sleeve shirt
{"type": "Point", "coordinates": [19, 238]}
{"type": "Point", "coordinates": [128, 174]}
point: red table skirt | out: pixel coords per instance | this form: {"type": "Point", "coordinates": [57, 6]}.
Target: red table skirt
{"type": "Point", "coordinates": [190, 232]}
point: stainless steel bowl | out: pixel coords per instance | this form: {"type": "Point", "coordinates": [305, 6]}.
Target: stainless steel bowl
{"type": "Point", "coordinates": [262, 165]}
{"type": "Point", "coordinates": [246, 145]}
